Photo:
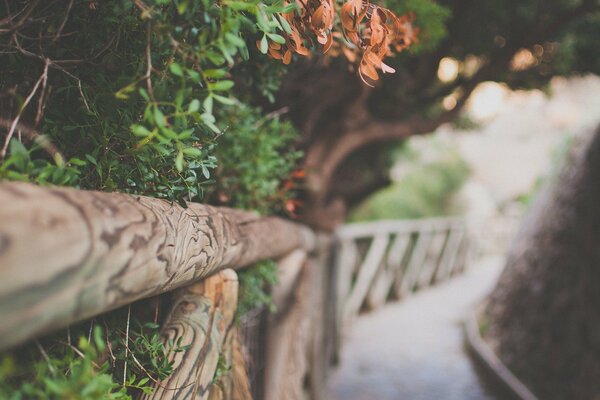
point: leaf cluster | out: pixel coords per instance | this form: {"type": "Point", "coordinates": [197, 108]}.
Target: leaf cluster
{"type": "Point", "coordinates": [126, 92]}
{"type": "Point", "coordinates": [255, 283]}
{"type": "Point", "coordinates": [113, 357]}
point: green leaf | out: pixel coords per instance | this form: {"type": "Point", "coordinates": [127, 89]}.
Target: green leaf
{"type": "Point", "coordinates": [140, 130]}
{"type": "Point", "coordinates": [182, 7]}
{"type": "Point", "coordinates": [208, 104]}
{"type": "Point", "coordinates": [215, 73]}
{"type": "Point", "coordinates": [159, 117]}
{"type": "Point", "coordinates": [179, 161]}
{"type": "Point", "coordinates": [215, 58]}
{"type": "Point", "coordinates": [264, 45]}
{"type": "Point", "coordinates": [176, 69]}
{"type": "Point", "coordinates": [224, 100]}
{"type": "Point", "coordinates": [144, 94]}
{"type": "Point", "coordinates": [192, 152]}
{"type": "Point", "coordinates": [221, 85]}
{"type": "Point", "coordinates": [262, 22]}
{"type": "Point", "coordinates": [276, 38]}
{"type": "Point", "coordinates": [16, 148]}
{"type": "Point", "coordinates": [194, 75]}
{"type": "Point", "coordinates": [205, 172]}
{"type": "Point", "coordinates": [77, 161]}
{"type": "Point", "coordinates": [212, 126]}
{"type": "Point", "coordinates": [241, 6]}
{"type": "Point", "coordinates": [235, 40]}
{"type": "Point", "coordinates": [285, 25]}
{"type": "Point", "coordinates": [194, 106]}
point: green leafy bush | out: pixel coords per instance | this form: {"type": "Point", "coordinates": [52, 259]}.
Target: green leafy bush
{"type": "Point", "coordinates": [254, 285]}
{"type": "Point", "coordinates": [129, 102]}
{"type": "Point", "coordinates": [114, 356]}
{"type": "Point", "coordinates": [255, 156]}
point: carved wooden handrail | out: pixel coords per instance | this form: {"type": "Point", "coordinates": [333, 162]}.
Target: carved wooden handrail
{"type": "Point", "coordinates": [67, 254]}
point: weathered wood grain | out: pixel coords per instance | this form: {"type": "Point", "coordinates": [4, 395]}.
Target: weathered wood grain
{"type": "Point", "coordinates": [288, 272]}
{"type": "Point", "coordinates": [203, 317]}
{"type": "Point", "coordinates": [66, 254]}
{"type": "Point", "coordinates": [289, 340]}
{"type": "Point", "coordinates": [241, 383]}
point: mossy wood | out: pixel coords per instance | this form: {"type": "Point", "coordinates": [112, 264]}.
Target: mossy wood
{"type": "Point", "coordinates": [67, 255]}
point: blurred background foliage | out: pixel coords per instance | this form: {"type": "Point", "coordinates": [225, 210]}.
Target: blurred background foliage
{"type": "Point", "coordinates": [424, 188]}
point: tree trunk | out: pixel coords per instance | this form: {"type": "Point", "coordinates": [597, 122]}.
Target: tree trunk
{"type": "Point", "coordinates": [544, 314]}
{"type": "Point", "coordinates": [336, 126]}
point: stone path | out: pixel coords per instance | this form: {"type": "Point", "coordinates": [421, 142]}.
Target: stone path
{"type": "Point", "coordinates": [414, 349]}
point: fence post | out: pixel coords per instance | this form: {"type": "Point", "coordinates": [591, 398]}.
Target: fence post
{"type": "Point", "coordinates": [203, 317]}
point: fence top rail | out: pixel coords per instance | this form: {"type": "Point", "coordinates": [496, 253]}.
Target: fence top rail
{"type": "Point", "coordinates": [367, 229]}
{"type": "Point", "coordinates": [67, 254]}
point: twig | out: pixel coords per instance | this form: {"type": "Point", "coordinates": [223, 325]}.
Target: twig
{"type": "Point", "coordinates": [38, 138]}
{"type": "Point", "coordinates": [41, 102]}
{"type": "Point", "coordinates": [45, 355]}
{"type": "Point", "coordinates": [157, 382]}
{"type": "Point", "coordinates": [62, 25]}
{"type": "Point", "coordinates": [90, 332]}
{"type": "Point", "coordinates": [148, 75]}
{"type": "Point", "coordinates": [13, 125]}
{"type": "Point", "coordinates": [109, 345]}
{"type": "Point", "coordinates": [126, 344]}
{"type": "Point", "coordinates": [271, 115]}
{"type": "Point", "coordinates": [79, 353]}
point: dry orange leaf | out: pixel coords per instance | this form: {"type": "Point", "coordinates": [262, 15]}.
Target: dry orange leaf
{"type": "Point", "coordinates": [373, 30]}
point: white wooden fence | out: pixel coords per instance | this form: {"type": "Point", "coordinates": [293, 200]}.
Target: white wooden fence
{"type": "Point", "coordinates": [390, 259]}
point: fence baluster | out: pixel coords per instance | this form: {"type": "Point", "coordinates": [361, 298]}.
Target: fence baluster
{"type": "Point", "coordinates": [384, 280]}
{"type": "Point", "coordinates": [366, 273]}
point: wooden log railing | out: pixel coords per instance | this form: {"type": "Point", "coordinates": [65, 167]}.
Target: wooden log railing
{"type": "Point", "coordinates": [67, 255]}
{"type": "Point", "coordinates": [390, 259]}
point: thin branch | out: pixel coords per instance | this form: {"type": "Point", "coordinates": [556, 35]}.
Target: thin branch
{"type": "Point", "coordinates": [45, 355]}
{"type": "Point", "coordinates": [38, 138]}
{"type": "Point", "coordinates": [79, 353]}
{"type": "Point", "coordinates": [62, 25]}
{"type": "Point", "coordinates": [14, 123]}
{"type": "Point", "coordinates": [144, 370]}
{"type": "Point", "coordinates": [148, 75]}
{"type": "Point", "coordinates": [272, 115]}
{"type": "Point", "coordinates": [126, 344]}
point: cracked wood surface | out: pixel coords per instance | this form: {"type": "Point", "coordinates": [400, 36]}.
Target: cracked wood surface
{"type": "Point", "coordinates": [67, 255]}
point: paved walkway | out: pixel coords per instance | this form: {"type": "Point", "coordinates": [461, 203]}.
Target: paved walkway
{"type": "Point", "coordinates": [414, 349]}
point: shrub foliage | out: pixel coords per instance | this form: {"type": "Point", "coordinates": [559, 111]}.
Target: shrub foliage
{"type": "Point", "coordinates": [160, 98]}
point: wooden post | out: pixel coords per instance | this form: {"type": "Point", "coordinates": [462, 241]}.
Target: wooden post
{"type": "Point", "coordinates": [203, 317]}
{"type": "Point", "coordinates": [67, 255]}
{"type": "Point", "coordinates": [289, 340]}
